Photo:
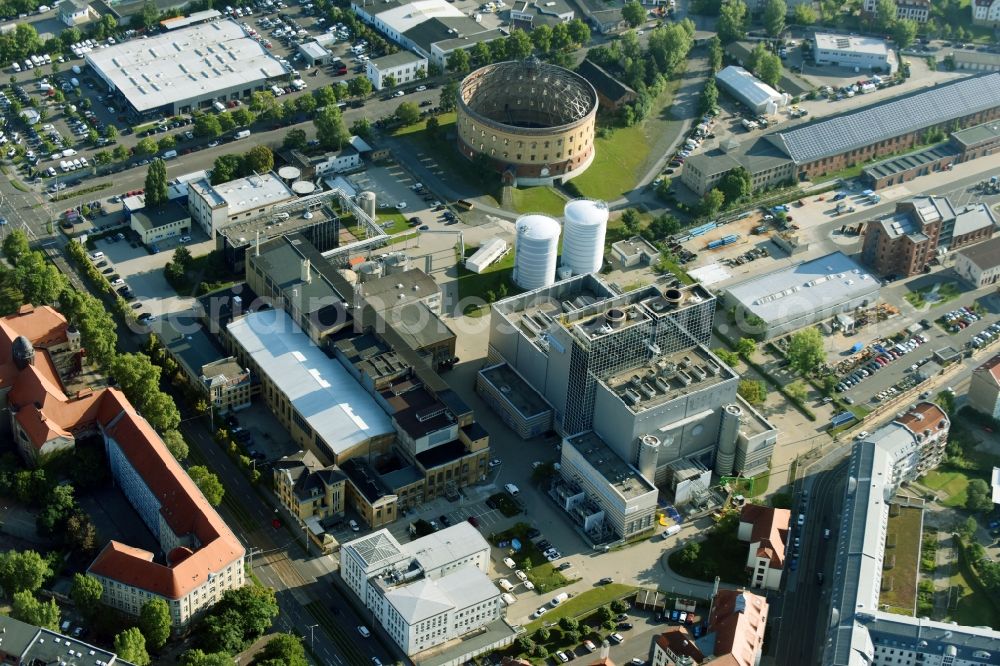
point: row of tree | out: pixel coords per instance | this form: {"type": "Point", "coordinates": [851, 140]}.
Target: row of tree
{"type": "Point", "coordinates": [258, 159]}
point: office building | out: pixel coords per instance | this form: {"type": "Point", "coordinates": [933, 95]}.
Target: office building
{"type": "Point", "coordinates": [826, 145]}
{"type": "Point", "coordinates": [217, 206]}
{"type": "Point", "coordinates": [76, 12]}
{"type": "Point", "coordinates": [395, 69]}
{"type": "Point", "coordinates": [867, 54]}
{"type": "Point", "coordinates": [913, 10]}
{"type": "Point", "coordinates": [184, 70]}
{"type": "Point", "coordinates": [800, 295]}
{"type": "Point", "coordinates": [979, 264]}
{"type": "Point", "coordinates": [215, 375]}
{"type": "Point", "coordinates": [767, 531]}
{"type": "Point", "coordinates": [984, 388]}
{"type": "Point", "coordinates": [750, 91]}
{"type": "Point", "coordinates": [920, 232]}
{"type": "Point", "coordinates": [529, 14]}
{"type": "Point", "coordinates": [310, 492]}
{"type": "Point", "coordinates": [168, 221]}
{"type": "Point", "coordinates": [861, 632]}
{"type": "Point", "coordinates": [427, 592]}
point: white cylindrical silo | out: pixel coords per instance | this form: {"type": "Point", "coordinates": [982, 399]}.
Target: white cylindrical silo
{"type": "Point", "coordinates": [536, 251]}
{"type": "Point", "coordinates": [583, 240]}
{"type": "Point", "coordinates": [366, 201]}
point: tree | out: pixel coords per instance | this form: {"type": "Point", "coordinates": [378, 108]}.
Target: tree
{"type": "Point", "coordinates": [408, 113]}
{"type": "Point", "coordinates": [968, 527]}
{"type": "Point", "coordinates": [774, 17]}
{"type": "Point", "coordinates": [712, 202]}
{"type": "Point", "coordinates": [283, 650]}
{"type": "Point", "coordinates": [619, 605]}
{"type": "Point", "coordinates": [175, 443]}
{"type": "Point", "coordinates": [15, 246]}
{"type": "Point", "coordinates": [579, 32]}
{"type": "Point", "coordinates": [517, 45]}
{"type": "Point", "coordinates": [167, 143]}
{"type": "Point", "coordinates": [360, 86]}
{"type": "Point", "coordinates": [389, 81]}
{"type": "Point", "coordinates": [324, 96]}
{"type": "Point", "coordinates": [634, 13]}
{"type": "Point", "coordinates": [330, 128]}
{"type": "Point", "coordinates": [561, 39]}
{"type": "Point", "coordinates": [605, 614]}
{"type": "Point", "coordinates": [295, 139]}
{"type": "Point", "coordinates": [458, 61]}
{"type": "Point", "coordinates": [258, 159]}
{"type": "Point", "coordinates": [57, 509]}
{"type": "Point", "coordinates": [200, 658]}
{"type": "Point", "coordinates": [208, 483]}
{"type": "Point", "coordinates": [27, 608]}
{"type": "Point", "coordinates": [541, 37]}
{"type": "Point", "coordinates": [752, 391]}
{"type": "Point", "coordinates": [102, 157]}
{"type": "Point", "coordinates": [131, 646]}
{"type": "Point", "coordinates": [39, 281]}
{"type": "Point", "coordinates": [568, 623]}
{"type": "Point", "coordinates": [226, 168]}
{"type": "Point", "coordinates": [86, 592]}
{"type": "Point", "coordinates": [542, 634]}
{"type": "Point", "coordinates": [449, 97]}
{"type": "Point", "coordinates": [885, 14]}
{"type": "Point", "coordinates": [207, 126]}
{"type": "Point", "coordinates": [226, 122]}
{"type": "Point", "coordinates": [362, 127]}
{"type": "Point", "coordinates": [81, 535]}
{"type": "Point", "coordinates": [262, 102]}
{"type": "Point", "coordinates": [156, 184]}
{"type": "Point", "coordinates": [147, 17]}
{"type": "Point", "coordinates": [147, 147]}
{"type": "Point", "coordinates": [946, 401]}
{"type": "Point", "coordinates": [768, 69]}
{"type": "Point", "coordinates": [120, 153]}
{"type": "Point", "coordinates": [746, 347]}
{"type": "Point", "coordinates": [732, 21]}
{"type": "Point", "coordinates": [241, 615]}
{"type": "Point", "coordinates": [480, 54]}
{"type": "Point", "coordinates": [715, 53]}
{"type": "Point", "coordinates": [736, 185]}
{"type": "Point", "coordinates": [805, 350]}
{"type": "Point", "coordinates": [978, 497]}
{"type": "Point", "coordinates": [155, 622]}
{"type": "Point", "coordinates": [244, 116]}
{"type": "Point", "coordinates": [904, 32]}
{"type": "Point", "coordinates": [804, 14]}
{"type": "Point", "coordinates": [631, 221]}
{"type": "Point", "coordinates": [709, 97]}
{"type": "Point", "coordinates": [730, 358]}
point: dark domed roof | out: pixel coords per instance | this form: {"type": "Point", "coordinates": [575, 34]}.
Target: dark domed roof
{"type": "Point", "coordinates": [23, 352]}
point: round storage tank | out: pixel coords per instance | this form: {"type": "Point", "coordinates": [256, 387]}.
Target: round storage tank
{"type": "Point", "coordinates": [289, 173]}
{"type": "Point", "coordinates": [366, 200]}
{"type": "Point", "coordinates": [536, 251]}
{"type": "Point", "coordinates": [583, 238]}
{"type": "Point", "coordinates": [395, 262]}
{"type": "Point", "coordinates": [368, 270]}
{"type": "Point", "coordinates": [303, 187]}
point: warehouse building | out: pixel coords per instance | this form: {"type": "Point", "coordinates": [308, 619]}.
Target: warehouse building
{"type": "Point", "coordinates": [859, 53]}
{"type": "Point", "coordinates": [183, 70]}
{"type": "Point", "coordinates": [750, 91]}
{"type": "Point", "coordinates": [830, 144]}
{"type": "Point", "coordinates": [803, 294]}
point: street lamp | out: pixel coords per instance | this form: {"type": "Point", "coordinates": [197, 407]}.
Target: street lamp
{"type": "Point", "coordinates": [312, 636]}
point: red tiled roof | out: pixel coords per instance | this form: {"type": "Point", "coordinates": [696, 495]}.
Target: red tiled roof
{"type": "Point", "coordinates": [738, 620]}
{"type": "Point", "coordinates": [926, 415]}
{"type": "Point", "coordinates": [770, 531]}
{"type": "Point", "coordinates": [184, 509]}
{"type": "Point", "coordinates": [42, 325]}
{"type": "Point", "coordinates": [679, 640]}
{"type": "Point", "coordinates": [992, 367]}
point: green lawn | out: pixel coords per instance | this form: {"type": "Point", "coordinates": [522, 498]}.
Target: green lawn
{"type": "Point", "coordinates": [582, 604]}
{"type": "Point", "coordinates": [397, 219]}
{"type": "Point", "coordinates": [538, 200]}
{"type": "Point", "coordinates": [969, 607]}
{"type": "Point", "coordinates": [949, 482]}
{"type": "Point", "coordinates": [529, 559]}
{"type": "Point", "coordinates": [902, 549]}
{"type": "Point", "coordinates": [491, 281]}
{"type": "Point", "coordinates": [946, 292]}
{"type": "Point", "coordinates": [621, 156]}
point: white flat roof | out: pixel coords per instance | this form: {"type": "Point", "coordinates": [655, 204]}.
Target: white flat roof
{"type": "Point", "coordinates": [244, 194]}
{"type": "Point", "coordinates": [871, 45]}
{"type": "Point", "coordinates": [403, 17]}
{"type": "Point", "coordinates": [184, 64]}
{"type": "Point", "coordinates": [748, 87]}
{"type": "Point", "coordinates": [314, 49]}
{"type": "Point", "coordinates": [451, 544]}
{"type": "Point", "coordinates": [341, 412]}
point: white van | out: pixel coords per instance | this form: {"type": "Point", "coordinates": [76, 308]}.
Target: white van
{"type": "Point", "coordinates": [170, 154]}
{"type": "Point", "coordinates": [558, 599]}
{"type": "Point", "coordinates": [219, 106]}
{"type": "Point", "coordinates": [505, 585]}
{"type": "Point", "coordinates": [512, 489]}
{"type": "Point", "coordinates": [508, 598]}
{"type": "Point", "coordinates": [15, 66]}
{"type": "Point", "coordinates": [243, 134]}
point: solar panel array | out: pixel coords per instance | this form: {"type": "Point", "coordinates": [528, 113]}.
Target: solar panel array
{"type": "Point", "coordinates": [891, 119]}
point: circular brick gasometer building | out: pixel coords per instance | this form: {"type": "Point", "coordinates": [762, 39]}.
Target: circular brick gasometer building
{"type": "Point", "coordinates": [532, 122]}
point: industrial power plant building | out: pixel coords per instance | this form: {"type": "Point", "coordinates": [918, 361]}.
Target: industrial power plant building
{"type": "Point", "coordinates": [791, 298]}
{"type": "Point", "coordinates": [629, 383]}
{"type": "Point", "coordinates": [184, 70]}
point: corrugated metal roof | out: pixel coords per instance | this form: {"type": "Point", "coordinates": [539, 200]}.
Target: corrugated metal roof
{"type": "Point", "coordinates": [893, 118]}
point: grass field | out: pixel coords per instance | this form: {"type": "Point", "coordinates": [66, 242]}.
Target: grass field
{"type": "Point", "coordinates": [903, 545]}
{"type": "Point", "coordinates": [582, 604]}
{"type": "Point", "coordinates": [538, 200]}
{"type": "Point", "coordinates": [946, 292]}
{"type": "Point", "coordinates": [397, 219]}
{"type": "Point", "coordinates": [493, 279]}
{"type": "Point", "coordinates": [721, 554]}
{"type": "Point", "coordinates": [949, 482]}
{"type": "Point", "coordinates": [968, 606]}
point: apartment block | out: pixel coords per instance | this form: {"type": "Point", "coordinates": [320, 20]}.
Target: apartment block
{"type": "Point", "coordinates": [984, 388]}
{"type": "Point", "coordinates": [767, 530]}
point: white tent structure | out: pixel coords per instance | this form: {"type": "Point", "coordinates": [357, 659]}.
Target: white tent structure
{"type": "Point", "coordinates": [751, 91]}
